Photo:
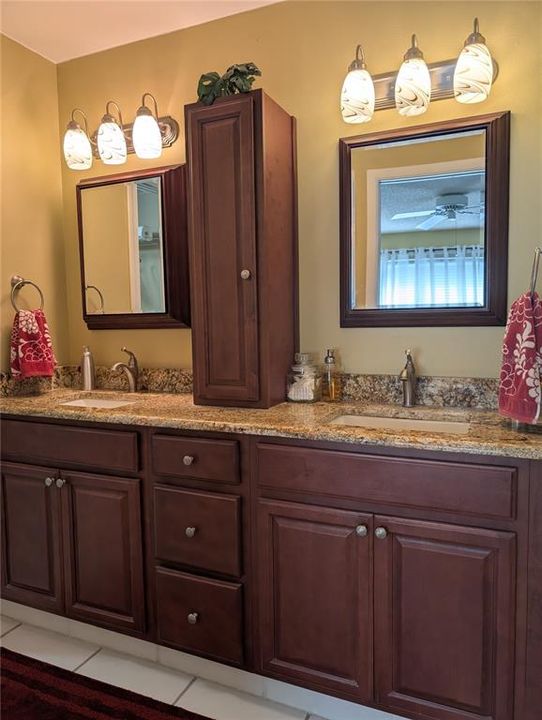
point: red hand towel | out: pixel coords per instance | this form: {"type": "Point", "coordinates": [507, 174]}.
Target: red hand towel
{"type": "Point", "coordinates": [519, 389]}
{"type": "Point", "coordinates": [31, 349]}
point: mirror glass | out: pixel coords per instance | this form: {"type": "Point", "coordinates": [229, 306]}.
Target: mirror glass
{"type": "Point", "coordinates": [418, 223]}
{"type": "Point", "coordinates": [123, 247]}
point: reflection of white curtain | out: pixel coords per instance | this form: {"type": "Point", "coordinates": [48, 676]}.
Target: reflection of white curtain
{"type": "Point", "coordinates": [418, 277]}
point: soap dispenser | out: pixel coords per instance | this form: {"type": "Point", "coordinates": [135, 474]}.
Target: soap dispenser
{"type": "Point", "coordinates": [330, 389]}
{"type": "Point", "coordinates": [88, 372]}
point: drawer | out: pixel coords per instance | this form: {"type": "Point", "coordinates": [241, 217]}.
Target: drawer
{"type": "Point", "coordinates": [61, 445]}
{"type": "Point", "coordinates": [197, 458]}
{"type": "Point", "coordinates": [466, 489]}
{"type": "Point", "coordinates": [198, 528]}
{"type": "Point", "coordinates": [200, 615]}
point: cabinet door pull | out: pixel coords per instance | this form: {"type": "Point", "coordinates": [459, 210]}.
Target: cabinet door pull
{"type": "Point", "coordinates": [361, 530]}
{"type": "Point", "coordinates": [48, 481]}
{"type": "Point", "coordinates": [188, 460]}
{"type": "Point", "coordinates": [192, 618]}
{"type": "Point", "coordinates": [245, 274]}
{"type": "Point", "coordinates": [59, 482]}
{"type": "Point", "coordinates": [190, 532]}
{"type": "Point", "coordinates": [381, 533]}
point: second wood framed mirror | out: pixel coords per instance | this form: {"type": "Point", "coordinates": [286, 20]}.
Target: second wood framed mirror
{"type": "Point", "coordinates": [424, 224]}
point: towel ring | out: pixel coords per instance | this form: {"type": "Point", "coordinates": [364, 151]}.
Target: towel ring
{"type": "Point", "coordinates": [100, 295]}
{"type": "Point", "coordinates": [17, 283]}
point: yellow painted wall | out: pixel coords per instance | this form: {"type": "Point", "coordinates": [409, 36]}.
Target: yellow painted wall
{"type": "Point", "coordinates": [303, 49]}
{"type": "Point", "coordinates": [31, 191]}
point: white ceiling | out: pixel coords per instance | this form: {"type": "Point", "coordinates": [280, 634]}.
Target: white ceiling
{"type": "Point", "coordinates": [61, 30]}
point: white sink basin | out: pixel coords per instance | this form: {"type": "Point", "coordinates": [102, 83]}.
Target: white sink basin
{"type": "Point", "coordinates": [389, 423]}
{"type": "Point", "coordinates": [98, 403]}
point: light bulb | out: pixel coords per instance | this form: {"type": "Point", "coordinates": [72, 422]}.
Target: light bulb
{"type": "Point", "coordinates": [358, 92]}
{"type": "Point", "coordinates": [76, 145]}
{"type": "Point", "coordinates": [110, 137]}
{"type": "Point", "coordinates": [146, 135]}
{"type": "Point", "coordinates": [413, 83]}
{"type": "Point", "coordinates": [473, 73]}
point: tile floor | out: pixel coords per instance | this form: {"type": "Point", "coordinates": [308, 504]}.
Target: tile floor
{"type": "Point", "coordinates": [148, 678]}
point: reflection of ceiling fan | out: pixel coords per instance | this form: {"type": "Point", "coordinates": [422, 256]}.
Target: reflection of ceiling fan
{"type": "Point", "coordinates": [447, 207]}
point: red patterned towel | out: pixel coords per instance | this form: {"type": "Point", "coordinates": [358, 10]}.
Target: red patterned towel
{"type": "Point", "coordinates": [519, 390]}
{"type": "Point", "coordinates": [31, 349]}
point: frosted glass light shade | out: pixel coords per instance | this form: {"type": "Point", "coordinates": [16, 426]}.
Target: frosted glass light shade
{"type": "Point", "coordinates": [111, 143]}
{"type": "Point", "coordinates": [77, 148]}
{"type": "Point", "coordinates": [413, 88]}
{"type": "Point", "coordinates": [473, 74]}
{"type": "Point", "coordinates": [358, 97]}
{"type": "Point", "coordinates": [146, 137]}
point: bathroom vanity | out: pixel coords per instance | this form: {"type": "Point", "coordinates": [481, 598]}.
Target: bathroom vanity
{"type": "Point", "coordinates": [400, 570]}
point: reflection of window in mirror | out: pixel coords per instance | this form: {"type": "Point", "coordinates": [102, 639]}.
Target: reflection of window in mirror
{"type": "Point", "coordinates": [418, 223]}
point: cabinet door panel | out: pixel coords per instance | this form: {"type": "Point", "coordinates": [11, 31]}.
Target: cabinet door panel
{"type": "Point", "coordinates": [222, 237]}
{"type": "Point", "coordinates": [103, 546]}
{"type": "Point", "coordinates": [444, 619]}
{"type": "Point", "coordinates": [315, 589]}
{"type": "Point", "coordinates": [32, 569]}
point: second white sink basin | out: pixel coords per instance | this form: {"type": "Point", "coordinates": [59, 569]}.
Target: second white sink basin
{"type": "Point", "coordinates": [392, 423]}
{"type": "Point", "coordinates": [98, 403]}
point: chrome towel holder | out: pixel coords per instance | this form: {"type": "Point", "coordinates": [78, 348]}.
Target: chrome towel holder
{"type": "Point", "coordinates": [17, 283]}
{"type": "Point", "coordinates": [534, 271]}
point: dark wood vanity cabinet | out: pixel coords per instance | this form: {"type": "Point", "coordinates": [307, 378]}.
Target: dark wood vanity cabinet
{"type": "Point", "coordinates": [242, 248]}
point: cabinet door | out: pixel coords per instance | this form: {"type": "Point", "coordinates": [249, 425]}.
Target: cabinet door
{"type": "Point", "coordinates": [31, 563]}
{"type": "Point", "coordinates": [222, 244]}
{"type": "Point", "coordinates": [103, 550]}
{"type": "Point", "coordinates": [444, 619]}
{"type": "Point", "coordinates": [316, 597]}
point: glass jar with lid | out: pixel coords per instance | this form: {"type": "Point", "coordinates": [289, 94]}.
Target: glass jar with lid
{"type": "Point", "coordinates": [304, 383]}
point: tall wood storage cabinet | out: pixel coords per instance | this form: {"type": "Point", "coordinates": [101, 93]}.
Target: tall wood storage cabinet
{"type": "Point", "coordinates": [243, 249]}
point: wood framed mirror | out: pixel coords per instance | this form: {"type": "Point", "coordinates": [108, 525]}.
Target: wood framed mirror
{"type": "Point", "coordinates": [424, 224]}
{"type": "Point", "coordinates": [133, 249]}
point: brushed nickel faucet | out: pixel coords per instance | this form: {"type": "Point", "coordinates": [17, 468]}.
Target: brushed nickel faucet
{"type": "Point", "coordinates": [407, 377]}
{"type": "Point", "coordinates": [130, 368]}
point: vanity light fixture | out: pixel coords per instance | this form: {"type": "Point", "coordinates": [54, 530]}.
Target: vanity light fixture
{"type": "Point", "coordinates": [110, 137]}
{"type": "Point", "coordinates": [146, 135]}
{"type": "Point", "coordinates": [473, 73]}
{"type": "Point", "coordinates": [413, 84]}
{"type": "Point", "coordinates": [358, 92]}
{"type": "Point", "coordinates": [76, 145]}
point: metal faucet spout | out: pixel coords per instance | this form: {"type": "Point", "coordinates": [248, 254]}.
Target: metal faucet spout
{"type": "Point", "coordinates": [407, 377]}
{"type": "Point", "coordinates": [131, 370]}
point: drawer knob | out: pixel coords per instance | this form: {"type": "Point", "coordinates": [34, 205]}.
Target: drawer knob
{"type": "Point", "coordinates": [48, 481]}
{"type": "Point", "coordinates": [190, 532]}
{"type": "Point", "coordinates": [361, 530]}
{"type": "Point", "coordinates": [245, 274]}
{"type": "Point", "coordinates": [192, 618]}
{"type": "Point", "coordinates": [60, 482]}
{"type": "Point", "coordinates": [188, 459]}
{"type": "Point", "coordinates": [381, 533]}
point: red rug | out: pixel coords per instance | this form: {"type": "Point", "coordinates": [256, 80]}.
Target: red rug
{"type": "Point", "coordinates": [33, 690]}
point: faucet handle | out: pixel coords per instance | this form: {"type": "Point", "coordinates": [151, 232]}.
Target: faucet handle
{"type": "Point", "coordinates": [132, 360]}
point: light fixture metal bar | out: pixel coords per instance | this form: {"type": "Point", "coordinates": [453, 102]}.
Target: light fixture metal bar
{"type": "Point", "coordinates": [442, 83]}
{"type": "Point", "coordinates": [169, 130]}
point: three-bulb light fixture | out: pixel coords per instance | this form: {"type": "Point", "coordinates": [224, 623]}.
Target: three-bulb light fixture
{"type": "Point", "coordinates": [145, 134]}
{"type": "Point", "coordinates": [472, 80]}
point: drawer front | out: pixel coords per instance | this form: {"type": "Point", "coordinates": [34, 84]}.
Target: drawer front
{"type": "Point", "coordinates": [466, 489]}
{"type": "Point", "coordinates": [200, 615]}
{"type": "Point", "coordinates": [199, 529]}
{"type": "Point", "coordinates": [60, 445]}
{"type": "Point", "coordinates": [196, 458]}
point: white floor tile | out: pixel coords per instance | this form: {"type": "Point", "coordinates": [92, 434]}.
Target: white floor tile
{"type": "Point", "coordinates": [115, 641]}
{"type": "Point", "coordinates": [137, 675]}
{"type": "Point", "coordinates": [7, 624]}
{"type": "Point", "coordinates": [33, 616]}
{"type": "Point", "coordinates": [48, 646]}
{"type": "Point", "coordinates": [221, 703]}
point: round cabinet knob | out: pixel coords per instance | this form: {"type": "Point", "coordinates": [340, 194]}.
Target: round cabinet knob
{"type": "Point", "coordinates": [361, 530]}
{"type": "Point", "coordinates": [381, 533]}
{"type": "Point", "coordinates": [48, 481]}
{"type": "Point", "coordinates": [245, 274]}
{"type": "Point", "coordinates": [60, 482]}
{"type": "Point", "coordinates": [192, 618]}
{"type": "Point", "coordinates": [188, 459]}
{"type": "Point", "coordinates": [190, 532]}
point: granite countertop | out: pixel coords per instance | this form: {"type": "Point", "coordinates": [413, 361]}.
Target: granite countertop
{"type": "Point", "coordinates": [488, 435]}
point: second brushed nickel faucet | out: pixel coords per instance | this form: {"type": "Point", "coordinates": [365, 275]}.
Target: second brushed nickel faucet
{"type": "Point", "coordinates": [407, 377]}
{"type": "Point", "coordinates": [130, 368]}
